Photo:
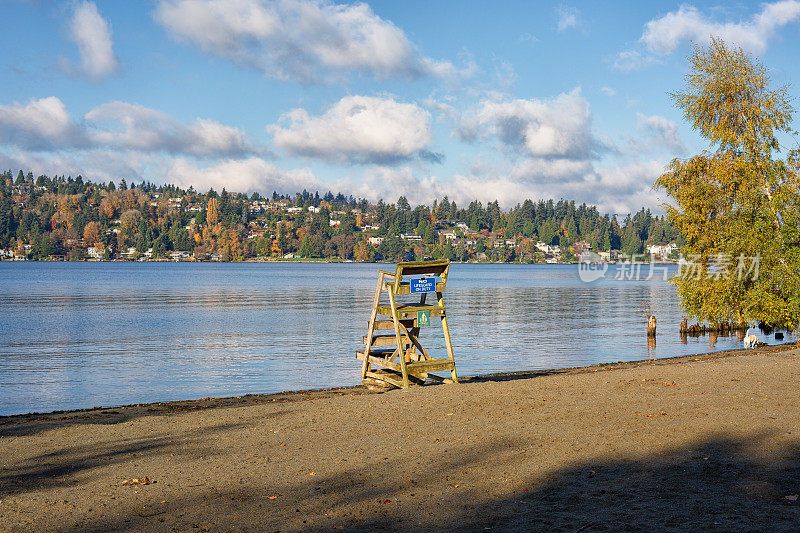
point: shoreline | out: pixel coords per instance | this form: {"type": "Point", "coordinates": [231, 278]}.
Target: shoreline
{"type": "Point", "coordinates": [156, 408]}
{"type": "Point", "coordinates": [698, 443]}
{"type": "Point", "coordinates": [322, 261]}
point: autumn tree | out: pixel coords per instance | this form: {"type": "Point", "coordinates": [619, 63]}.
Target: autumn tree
{"type": "Point", "coordinates": [91, 233]}
{"type": "Point", "coordinates": [108, 207]}
{"type": "Point", "coordinates": [129, 221]}
{"type": "Point", "coordinates": [736, 205]}
{"type": "Point", "coordinates": [212, 212]}
{"type": "Point", "coordinates": [363, 251]}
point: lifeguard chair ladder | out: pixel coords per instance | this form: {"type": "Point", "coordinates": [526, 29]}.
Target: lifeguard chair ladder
{"type": "Point", "coordinates": [399, 353]}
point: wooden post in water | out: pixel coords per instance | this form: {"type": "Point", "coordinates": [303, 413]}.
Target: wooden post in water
{"type": "Point", "coordinates": [651, 326]}
{"type": "Point", "coordinates": [651, 346]}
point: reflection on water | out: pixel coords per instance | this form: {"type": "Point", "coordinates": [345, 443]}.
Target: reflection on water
{"type": "Point", "coordinates": [88, 334]}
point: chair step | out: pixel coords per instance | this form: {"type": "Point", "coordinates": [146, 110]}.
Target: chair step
{"type": "Point", "coordinates": [406, 311]}
{"type": "Point", "coordinates": [389, 324]}
{"type": "Point", "coordinates": [376, 352]}
{"type": "Point", "coordinates": [395, 378]}
{"type": "Point", "coordinates": [386, 340]}
{"type": "Point", "coordinates": [431, 365]}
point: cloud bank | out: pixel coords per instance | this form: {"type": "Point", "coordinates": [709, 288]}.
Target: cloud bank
{"type": "Point", "coordinates": [300, 40]}
{"type": "Point", "coordinates": [41, 124]}
{"type": "Point", "coordinates": [129, 126]}
{"type": "Point", "coordinates": [241, 175]}
{"type": "Point", "coordinates": [45, 124]}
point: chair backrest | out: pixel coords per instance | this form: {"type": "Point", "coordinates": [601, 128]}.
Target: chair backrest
{"type": "Point", "coordinates": [438, 268]}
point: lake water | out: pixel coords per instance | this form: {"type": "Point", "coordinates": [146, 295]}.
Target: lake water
{"type": "Point", "coordinates": [75, 335]}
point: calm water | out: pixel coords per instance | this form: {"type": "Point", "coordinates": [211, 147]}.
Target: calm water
{"type": "Point", "coordinates": [78, 335]}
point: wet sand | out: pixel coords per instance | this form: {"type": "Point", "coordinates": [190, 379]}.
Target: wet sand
{"type": "Point", "coordinates": [697, 443]}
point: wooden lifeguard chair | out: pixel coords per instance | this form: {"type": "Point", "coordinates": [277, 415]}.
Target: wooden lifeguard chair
{"type": "Point", "coordinates": [401, 359]}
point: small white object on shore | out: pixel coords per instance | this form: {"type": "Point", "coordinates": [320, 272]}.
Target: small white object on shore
{"type": "Point", "coordinates": [751, 341]}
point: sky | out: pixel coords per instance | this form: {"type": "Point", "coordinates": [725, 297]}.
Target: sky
{"type": "Point", "coordinates": [470, 100]}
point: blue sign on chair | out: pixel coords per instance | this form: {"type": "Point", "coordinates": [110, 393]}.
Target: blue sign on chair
{"type": "Point", "coordinates": [423, 285]}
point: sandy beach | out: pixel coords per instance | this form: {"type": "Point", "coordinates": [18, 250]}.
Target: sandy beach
{"type": "Point", "coordinates": [706, 442]}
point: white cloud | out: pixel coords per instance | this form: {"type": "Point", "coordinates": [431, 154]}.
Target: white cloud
{"type": "Point", "coordinates": [137, 127]}
{"type": "Point", "coordinates": [90, 31]}
{"type": "Point", "coordinates": [567, 18]}
{"type": "Point", "coordinates": [629, 187]}
{"type": "Point", "coordinates": [608, 91]}
{"type": "Point", "coordinates": [390, 183]}
{"type": "Point", "coordinates": [663, 132]}
{"type": "Point", "coordinates": [96, 164]}
{"type": "Point", "coordinates": [241, 175]}
{"type": "Point", "coordinates": [617, 189]}
{"type": "Point", "coordinates": [41, 124]}
{"type": "Point", "coordinates": [46, 125]}
{"type": "Point", "coordinates": [663, 35]}
{"type": "Point", "coordinates": [357, 129]}
{"type": "Point", "coordinates": [303, 40]}
{"type": "Point", "coordinates": [558, 127]}
{"type": "Point", "coordinates": [631, 59]}
{"type": "Point", "coordinates": [527, 38]}
{"type": "Point", "coordinates": [546, 171]}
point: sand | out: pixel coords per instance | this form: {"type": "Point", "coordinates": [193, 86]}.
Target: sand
{"type": "Point", "coordinates": [697, 443]}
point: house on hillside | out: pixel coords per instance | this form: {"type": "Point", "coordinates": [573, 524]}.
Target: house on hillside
{"type": "Point", "coordinates": [411, 237]}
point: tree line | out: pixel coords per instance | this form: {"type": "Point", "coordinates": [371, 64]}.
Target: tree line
{"type": "Point", "coordinates": [61, 216]}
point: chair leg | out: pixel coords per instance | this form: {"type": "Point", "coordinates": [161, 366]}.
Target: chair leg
{"type": "Point", "coordinates": [448, 343]}
{"type": "Point", "coordinates": [400, 350]}
{"type": "Point", "coordinates": [371, 329]}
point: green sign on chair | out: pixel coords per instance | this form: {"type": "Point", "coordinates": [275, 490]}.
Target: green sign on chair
{"type": "Point", "coordinates": [423, 318]}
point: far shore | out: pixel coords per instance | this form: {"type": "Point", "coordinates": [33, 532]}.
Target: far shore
{"type": "Point", "coordinates": [703, 442]}
{"type": "Point", "coordinates": [312, 260]}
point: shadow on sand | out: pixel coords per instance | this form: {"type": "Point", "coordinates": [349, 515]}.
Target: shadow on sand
{"type": "Point", "coordinates": [721, 483]}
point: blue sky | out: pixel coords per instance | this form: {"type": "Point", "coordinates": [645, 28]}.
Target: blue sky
{"type": "Point", "coordinates": [473, 100]}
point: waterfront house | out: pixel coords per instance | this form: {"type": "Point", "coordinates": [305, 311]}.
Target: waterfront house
{"type": "Point", "coordinates": [580, 247]}
{"type": "Point", "coordinates": [179, 256]}
{"type": "Point", "coordinates": [661, 251]}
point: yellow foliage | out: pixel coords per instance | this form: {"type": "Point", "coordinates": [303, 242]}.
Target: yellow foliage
{"type": "Point", "coordinates": [212, 212]}
{"type": "Point", "coordinates": [738, 201]}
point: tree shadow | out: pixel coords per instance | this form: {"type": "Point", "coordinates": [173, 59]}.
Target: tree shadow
{"type": "Point", "coordinates": [33, 423]}
{"type": "Point", "coordinates": [721, 483]}
{"type": "Point", "coordinates": [78, 463]}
